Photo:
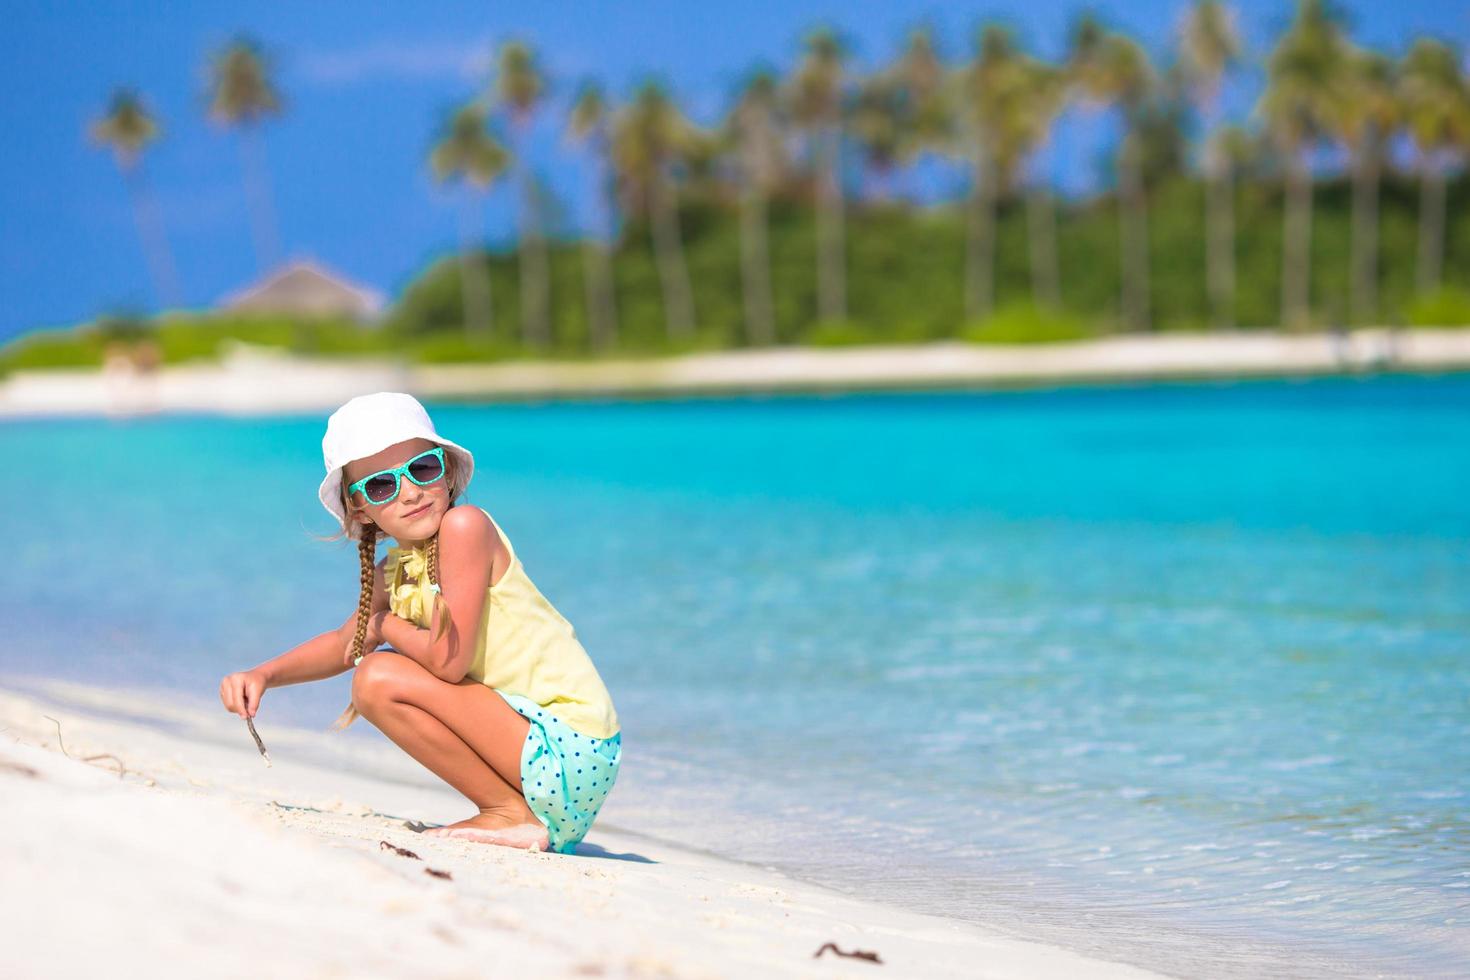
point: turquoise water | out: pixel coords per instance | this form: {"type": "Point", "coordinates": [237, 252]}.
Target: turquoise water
{"type": "Point", "coordinates": [1175, 674]}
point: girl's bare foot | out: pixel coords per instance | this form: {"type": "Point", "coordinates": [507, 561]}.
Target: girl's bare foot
{"type": "Point", "coordinates": [493, 827]}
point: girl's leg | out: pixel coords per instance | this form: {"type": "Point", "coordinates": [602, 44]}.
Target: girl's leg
{"type": "Point", "coordinates": [464, 733]}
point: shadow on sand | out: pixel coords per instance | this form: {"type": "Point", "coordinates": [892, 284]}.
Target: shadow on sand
{"type": "Point", "coordinates": [582, 849]}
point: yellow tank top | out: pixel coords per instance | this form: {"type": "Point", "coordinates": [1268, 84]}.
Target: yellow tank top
{"type": "Point", "coordinates": [525, 647]}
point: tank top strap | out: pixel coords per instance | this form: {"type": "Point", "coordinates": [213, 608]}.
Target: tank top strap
{"type": "Point", "coordinates": [505, 538]}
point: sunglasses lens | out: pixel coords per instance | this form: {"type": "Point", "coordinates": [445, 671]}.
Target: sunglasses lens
{"type": "Point", "coordinates": [426, 469]}
{"type": "Point", "coordinates": [379, 488]}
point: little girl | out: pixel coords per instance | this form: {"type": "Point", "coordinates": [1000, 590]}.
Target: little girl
{"type": "Point", "coordinates": [485, 683]}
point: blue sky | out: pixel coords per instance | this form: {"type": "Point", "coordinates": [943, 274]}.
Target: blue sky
{"type": "Point", "coordinates": [367, 84]}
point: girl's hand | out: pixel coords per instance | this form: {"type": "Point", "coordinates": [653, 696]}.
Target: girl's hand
{"type": "Point", "coordinates": [372, 640]}
{"type": "Point", "coordinates": [241, 692]}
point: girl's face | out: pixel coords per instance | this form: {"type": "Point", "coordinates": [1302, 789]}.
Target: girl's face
{"type": "Point", "coordinates": [411, 517]}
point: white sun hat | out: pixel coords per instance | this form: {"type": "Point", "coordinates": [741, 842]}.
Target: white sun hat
{"type": "Point", "coordinates": [369, 424]}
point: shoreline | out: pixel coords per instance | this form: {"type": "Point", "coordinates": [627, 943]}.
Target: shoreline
{"type": "Point", "coordinates": [177, 845]}
{"type": "Point", "coordinates": [252, 381]}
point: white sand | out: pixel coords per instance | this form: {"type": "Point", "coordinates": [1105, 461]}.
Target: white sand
{"type": "Point", "coordinates": [189, 864]}
{"type": "Point", "coordinates": [252, 380]}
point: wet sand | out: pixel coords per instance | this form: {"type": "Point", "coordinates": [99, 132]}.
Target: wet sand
{"type": "Point", "coordinates": [160, 844]}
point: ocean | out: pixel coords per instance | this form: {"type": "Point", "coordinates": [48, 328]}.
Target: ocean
{"type": "Point", "coordinates": [1175, 674]}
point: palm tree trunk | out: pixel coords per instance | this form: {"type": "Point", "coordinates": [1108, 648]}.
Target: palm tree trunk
{"type": "Point", "coordinates": [257, 189]}
{"type": "Point", "coordinates": [1297, 239]}
{"type": "Point", "coordinates": [1220, 240]}
{"type": "Point", "coordinates": [535, 284]}
{"type": "Point", "coordinates": [831, 250]}
{"type": "Point", "coordinates": [673, 271]}
{"type": "Point", "coordinates": [1431, 226]}
{"type": "Point", "coordinates": [474, 278]}
{"type": "Point", "coordinates": [1365, 236]}
{"type": "Point", "coordinates": [1041, 230]}
{"type": "Point", "coordinates": [755, 269]}
{"type": "Point", "coordinates": [155, 242]}
{"type": "Point", "coordinates": [602, 305]}
{"type": "Point", "coordinates": [980, 243]}
{"type": "Point", "coordinates": [602, 324]}
{"type": "Point", "coordinates": [1134, 238]}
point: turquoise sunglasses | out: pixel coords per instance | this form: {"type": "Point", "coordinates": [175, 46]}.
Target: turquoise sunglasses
{"type": "Point", "coordinates": [382, 487]}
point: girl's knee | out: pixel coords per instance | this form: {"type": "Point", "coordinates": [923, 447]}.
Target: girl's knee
{"type": "Point", "coordinates": [377, 678]}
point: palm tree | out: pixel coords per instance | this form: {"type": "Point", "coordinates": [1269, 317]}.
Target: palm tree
{"type": "Point", "coordinates": [926, 98]}
{"type": "Point", "coordinates": [1209, 46]}
{"type": "Point", "coordinates": [994, 95]}
{"type": "Point", "coordinates": [242, 94]}
{"type": "Point", "coordinates": [1437, 112]}
{"type": "Point", "coordinates": [1111, 69]}
{"type": "Point", "coordinates": [1366, 118]}
{"type": "Point", "coordinates": [876, 124]}
{"type": "Point", "coordinates": [928, 110]}
{"type": "Point", "coordinates": [1299, 104]}
{"type": "Point", "coordinates": [589, 125]}
{"type": "Point", "coordinates": [1011, 102]}
{"type": "Point", "coordinates": [519, 86]}
{"type": "Point", "coordinates": [127, 129]}
{"type": "Point", "coordinates": [1047, 97]}
{"type": "Point", "coordinates": [755, 126]}
{"type": "Point", "coordinates": [465, 151]}
{"type": "Point", "coordinates": [816, 106]}
{"type": "Point", "coordinates": [649, 139]}
{"type": "Point", "coordinates": [902, 111]}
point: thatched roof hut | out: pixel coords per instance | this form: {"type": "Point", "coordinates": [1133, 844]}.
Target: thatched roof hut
{"type": "Point", "coordinates": [305, 288]}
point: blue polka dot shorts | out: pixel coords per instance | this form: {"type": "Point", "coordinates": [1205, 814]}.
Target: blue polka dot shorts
{"type": "Point", "coordinates": [565, 775]}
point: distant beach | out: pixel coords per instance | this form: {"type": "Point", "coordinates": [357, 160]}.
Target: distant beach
{"type": "Point", "coordinates": [252, 380]}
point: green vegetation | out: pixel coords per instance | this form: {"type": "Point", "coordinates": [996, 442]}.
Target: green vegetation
{"type": "Point", "coordinates": [180, 339]}
{"type": "Point", "coordinates": [54, 349]}
{"type": "Point", "coordinates": [775, 225]}
{"type": "Point", "coordinates": [1026, 323]}
{"type": "Point", "coordinates": [1443, 308]}
{"type": "Point", "coordinates": [906, 284]}
{"type": "Point", "coordinates": [905, 272]}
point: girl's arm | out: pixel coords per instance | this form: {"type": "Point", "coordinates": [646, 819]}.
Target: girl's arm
{"type": "Point", "coordinates": [321, 656]}
{"type": "Point", "coordinates": [317, 659]}
{"type": "Point", "coordinates": [470, 550]}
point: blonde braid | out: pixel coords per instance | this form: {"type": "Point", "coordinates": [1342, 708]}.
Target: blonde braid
{"type": "Point", "coordinates": [366, 548]}
{"type": "Point", "coordinates": [439, 625]}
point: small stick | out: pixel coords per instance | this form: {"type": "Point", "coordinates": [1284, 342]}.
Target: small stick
{"type": "Point", "coordinates": [284, 806]}
{"type": "Point", "coordinates": [857, 954]}
{"type": "Point", "coordinates": [121, 768]}
{"type": "Point", "coordinates": [7, 766]}
{"type": "Point", "coordinates": [58, 735]}
{"type": "Point", "coordinates": [258, 743]}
